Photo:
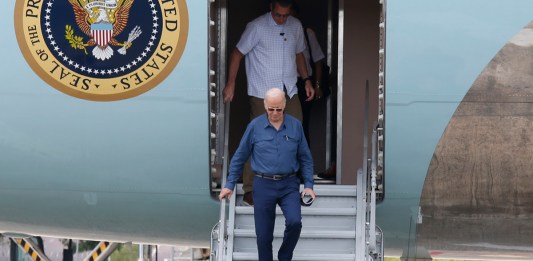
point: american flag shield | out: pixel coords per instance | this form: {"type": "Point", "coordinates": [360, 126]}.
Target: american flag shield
{"type": "Point", "coordinates": [102, 33]}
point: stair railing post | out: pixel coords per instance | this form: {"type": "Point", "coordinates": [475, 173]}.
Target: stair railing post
{"type": "Point", "coordinates": [360, 220]}
{"type": "Point", "coordinates": [363, 188]}
{"type": "Point", "coordinates": [372, 221]}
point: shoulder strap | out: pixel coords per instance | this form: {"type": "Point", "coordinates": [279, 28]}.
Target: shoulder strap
{"type": "Point", "coordinates": [311, 60]}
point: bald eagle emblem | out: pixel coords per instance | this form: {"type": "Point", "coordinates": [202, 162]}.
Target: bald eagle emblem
{"type": "Point", "coordinates": [102, 21]}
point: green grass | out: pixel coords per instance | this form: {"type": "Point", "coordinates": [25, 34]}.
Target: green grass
{"type": "Point", "coordinates": [126, 252]}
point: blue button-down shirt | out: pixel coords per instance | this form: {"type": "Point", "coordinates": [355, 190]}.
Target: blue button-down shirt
{"type": "Point", "coordinates": [273, 151]}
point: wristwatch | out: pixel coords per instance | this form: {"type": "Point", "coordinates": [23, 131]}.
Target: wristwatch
{"type": "Point", "coordinates": [308, 79]}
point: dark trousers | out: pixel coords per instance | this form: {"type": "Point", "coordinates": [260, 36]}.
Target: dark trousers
{"type": "Point", "coordinates": [268, 194]}
{"type": "Point", "coordinates": [306, 107]}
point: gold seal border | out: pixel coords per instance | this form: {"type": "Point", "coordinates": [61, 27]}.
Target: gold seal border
{"type": "Point", "coordinates": [175, 56]}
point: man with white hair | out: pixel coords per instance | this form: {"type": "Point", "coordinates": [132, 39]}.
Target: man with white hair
{"type": "Point", "coordinates": [276, 144]}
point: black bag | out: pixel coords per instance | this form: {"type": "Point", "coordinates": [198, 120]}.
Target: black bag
{"type": "Point", "coordinates": [324, 82]}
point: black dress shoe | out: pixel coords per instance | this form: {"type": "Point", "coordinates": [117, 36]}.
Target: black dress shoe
{"type": "Point", "coordinates": [248, 199]}
{"type": "Point", "coordinates": [330, 173]}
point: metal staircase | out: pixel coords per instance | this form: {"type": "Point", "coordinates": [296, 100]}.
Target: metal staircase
{"type": "Point", "coordinates": [329, 229]}
{"type": "Point", "coordinates": [340, 225]}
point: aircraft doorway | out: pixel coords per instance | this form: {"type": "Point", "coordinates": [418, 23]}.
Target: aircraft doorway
{"type": "Point", "coordinates": [349, 34]}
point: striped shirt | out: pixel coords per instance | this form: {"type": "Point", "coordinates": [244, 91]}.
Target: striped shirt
{"type": "Point", "coordinates": [270, 54]}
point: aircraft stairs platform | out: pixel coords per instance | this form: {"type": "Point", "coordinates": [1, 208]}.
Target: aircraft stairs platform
{"type": "Point", "coordinates": [333, 228]}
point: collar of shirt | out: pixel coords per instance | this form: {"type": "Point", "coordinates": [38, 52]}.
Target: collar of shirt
{"type": "Point", "coordinates": [266, 122]}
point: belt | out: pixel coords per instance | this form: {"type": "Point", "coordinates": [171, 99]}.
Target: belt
{"type": "Point", "coordinates": [275, 177]}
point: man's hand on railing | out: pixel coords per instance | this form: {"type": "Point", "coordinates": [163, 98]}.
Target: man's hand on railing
{"type": "Point", "coordinates": [225, 193]}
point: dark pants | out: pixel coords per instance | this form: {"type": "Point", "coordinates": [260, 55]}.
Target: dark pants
{"type": "Point", "coordinates": [306, 108]}
{"type": "Point", "coordinates": [333, 124]}
{"type": "Point", "coordinates": [268, 194]}
{"type": "Point", "coordinates": [306, 116]}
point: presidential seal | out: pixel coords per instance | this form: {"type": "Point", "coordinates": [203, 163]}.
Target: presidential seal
{"type": "Point", "coordinates": [102, 50]}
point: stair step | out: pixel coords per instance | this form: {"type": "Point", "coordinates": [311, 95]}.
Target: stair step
{"type": "Point", "coordinates": [298, 257]}
{"type": "Point", "coordinates": [306, 233]}
{"type": "Point", "coordinates": [323, 181]}
{"type": "Point", "coordinates": [322, 190]}
{"type": "Point", "coordinates": [306, 211]}
{"type": "Point", "coordinates": [337, 223]}
{"type": "Point", "coordinates": [305, 245]}
{"type": "Point", "coordinates": [328, 231]}
{"type": "Point", "coordinates": [322, 202]}
{"type": "Point", "coordinates": [328, 196]}
{"type": "Point", "coordinates": [310, 242]}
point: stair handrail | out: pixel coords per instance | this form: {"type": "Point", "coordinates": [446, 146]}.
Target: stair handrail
{"type": "Point", "coordinates": [366, 239]}
{"type": "Point", "coordinates": [361, 224]}
{"type": "Point", "coordinates": [360, 219]}
{"type": "Point", "coordinates": [222, 227]}
{"type": "Point", "coordinates": [373, 185]}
